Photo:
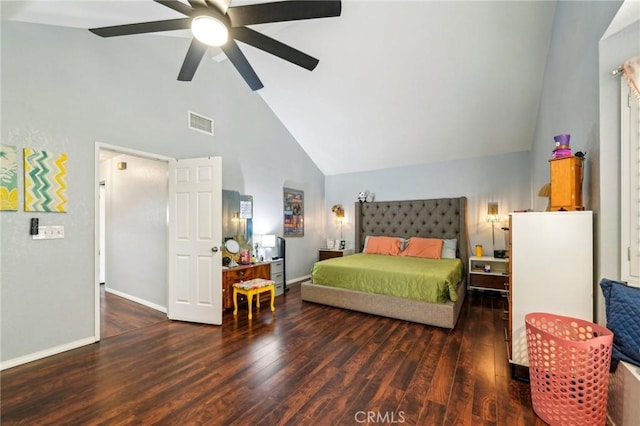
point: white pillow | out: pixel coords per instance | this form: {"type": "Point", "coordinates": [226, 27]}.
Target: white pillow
{"type": "Point", "coordinates": [449, 248]}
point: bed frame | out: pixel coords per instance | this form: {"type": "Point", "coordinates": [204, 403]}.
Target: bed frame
{"type": "Point", "coordinates": [436, 218]}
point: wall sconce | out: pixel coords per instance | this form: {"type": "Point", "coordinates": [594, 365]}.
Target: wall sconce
{"type": "Point", "coordinates": [122, 165]}
{"type": "Point", "coordinates": [235, 218]}
{"type": "Point", "coordinates": [493, 216]}
{"type": "Point", "coordinates": [339, 212]}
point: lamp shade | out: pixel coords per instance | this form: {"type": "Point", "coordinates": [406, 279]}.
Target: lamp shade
{"type": "Point", "coordinates": [545, 190]}
{"type": "Point", "coordinates": [268, 241]}
{"type": "Point", "coordinates": [492, 212]}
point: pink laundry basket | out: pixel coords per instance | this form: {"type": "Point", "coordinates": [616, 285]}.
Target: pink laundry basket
{"type": "Point", "coordinates": [569, 362]}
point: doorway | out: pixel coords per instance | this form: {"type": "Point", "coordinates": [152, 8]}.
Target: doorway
{"type": "Point", "coordinates": [131, 224]}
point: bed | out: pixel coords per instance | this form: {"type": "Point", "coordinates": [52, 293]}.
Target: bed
{"type": "Point", "coordinates": [443, 218]}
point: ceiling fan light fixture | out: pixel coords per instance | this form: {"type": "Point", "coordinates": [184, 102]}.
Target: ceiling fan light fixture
{"type": "Point", "coordinates": [209, 30]}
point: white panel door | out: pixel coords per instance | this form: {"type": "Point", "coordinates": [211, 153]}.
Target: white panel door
{"type": "Point", "coordinates": [195, 233]}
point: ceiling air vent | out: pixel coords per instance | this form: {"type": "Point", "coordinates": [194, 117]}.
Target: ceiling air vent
{"type": "Point", "coordinates": [200, 123]}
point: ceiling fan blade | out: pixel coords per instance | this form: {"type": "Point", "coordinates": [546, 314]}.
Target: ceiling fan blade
{"type": "Point", "coordinates": [176, 5]}
{"type": "Point", "coordinates": [143, 27]}
{"type": "Point", "coordinates": [270, 45]}
{"type": "Point", "coordinates": [192, 60]}
{"type": "Point", "coordinates": [197, 3]}
{"type": "Point", "coordinates": [221, 5]}
{"type": "Point", "coordinates": [239, 61]}
{"type": "Point", "coordinates": [283, 11]}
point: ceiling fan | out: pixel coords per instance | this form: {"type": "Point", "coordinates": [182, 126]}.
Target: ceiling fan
{"type": "Point", "coordinates": [214, 23]}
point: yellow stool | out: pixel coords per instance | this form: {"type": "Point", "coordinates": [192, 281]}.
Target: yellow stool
{"type": "Point", "coordinates": [251, 287]}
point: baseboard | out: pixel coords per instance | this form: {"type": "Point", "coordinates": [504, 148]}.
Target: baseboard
{"type": "Point", "coordinates": [136, 300]}
{"type": "Point", "coordinates": [297, 281]}
{"type": "Point", "coordinates": [46, 353]}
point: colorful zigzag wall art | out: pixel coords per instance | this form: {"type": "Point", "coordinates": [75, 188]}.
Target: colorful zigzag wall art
{"type": "Point", "coordinates": [8, 178]}
{"type": "Point", "coordinates": [45, 181]}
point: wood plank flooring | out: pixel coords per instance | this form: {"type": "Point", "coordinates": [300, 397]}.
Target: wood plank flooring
{"type": "Point", "coordinates": [304, 364]}
{"type": "Point", "coordinates": [119, 315]}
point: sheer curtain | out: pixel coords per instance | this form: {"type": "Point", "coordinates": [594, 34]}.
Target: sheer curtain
{"type": "Point", "coordinates": [631, 71]}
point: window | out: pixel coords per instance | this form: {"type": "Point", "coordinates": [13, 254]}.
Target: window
{"type": "Point", "coordinates": [630, 175]}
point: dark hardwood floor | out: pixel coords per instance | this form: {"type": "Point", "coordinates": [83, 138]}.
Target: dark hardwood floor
{"type": "Point", "coordinates": [119, 315]}
{"type": "Point", "coordinates": [304, 364]}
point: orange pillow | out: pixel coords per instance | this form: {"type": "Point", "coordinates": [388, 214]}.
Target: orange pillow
{"type": "Point", "coordinates": [383, 245]}
{"type": "Point", "coordinates": [430, 248]}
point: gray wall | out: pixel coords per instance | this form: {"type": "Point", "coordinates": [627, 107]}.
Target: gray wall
{"type": "Point", "coordinates": [136, 229]}
{"type": "Point", "coordinates": [569, 101]}
{"type": "Point", "coordinates": [502, 178]}
{"type": "Point", "coordinates": [570, 105]}
{"type": "Point", "coordinates": [63, 90]}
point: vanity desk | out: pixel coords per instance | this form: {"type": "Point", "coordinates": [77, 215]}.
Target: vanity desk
{"type": "Point", "coordinates": [230, 276]}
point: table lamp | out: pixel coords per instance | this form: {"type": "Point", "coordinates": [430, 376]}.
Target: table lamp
{"type": "Point", "coordinates": [493, 216]}
{"type": "Point", "coordinates": [268, 242]}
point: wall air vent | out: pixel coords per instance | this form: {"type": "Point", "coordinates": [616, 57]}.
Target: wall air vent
{"type": "Point", "coordinates": [201, 123]}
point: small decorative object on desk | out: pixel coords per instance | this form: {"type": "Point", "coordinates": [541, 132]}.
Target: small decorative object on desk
{"type": "Point", "coordinates": [342, 244]}
{"type": "Point", "coordinates": [330, 244]}
{"type": "Point", "coordinates": [479, 250]}
{"type": "Point", "coordinates": [562, 149]}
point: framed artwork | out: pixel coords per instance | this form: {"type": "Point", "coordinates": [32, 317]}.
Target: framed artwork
{"type": "Point", "coordinates": [45, 181]}
{"type": "Point", "coordinates": [293, 212]}
{"type": "Point", "coordinates": [8, 178]}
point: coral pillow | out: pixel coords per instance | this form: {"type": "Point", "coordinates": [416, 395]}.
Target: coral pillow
{"type": "Point", "coordinates": [430, 248]}
{"type": "Point", "coordinates": [383, 245]}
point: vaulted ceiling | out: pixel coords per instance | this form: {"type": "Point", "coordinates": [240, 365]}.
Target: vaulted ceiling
{"type": "Point", "coordinates": [399, 82]}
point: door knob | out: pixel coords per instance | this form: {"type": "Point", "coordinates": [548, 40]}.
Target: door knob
{"type": "Point", "coordinates": [214, 249]}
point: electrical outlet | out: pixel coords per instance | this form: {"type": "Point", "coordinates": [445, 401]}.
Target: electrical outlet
{"type": "Point", "coordinates": [49, 233]}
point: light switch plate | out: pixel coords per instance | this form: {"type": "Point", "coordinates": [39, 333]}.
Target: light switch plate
{"type": "Point", "coordinates": [49, 233]}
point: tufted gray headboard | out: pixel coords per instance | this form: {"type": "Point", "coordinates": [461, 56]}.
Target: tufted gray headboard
{"type": "Point", "coordinates": [437, 218]}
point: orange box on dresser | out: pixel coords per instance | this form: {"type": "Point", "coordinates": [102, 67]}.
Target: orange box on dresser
{"type": "Point", "coordinates": [566, 184]}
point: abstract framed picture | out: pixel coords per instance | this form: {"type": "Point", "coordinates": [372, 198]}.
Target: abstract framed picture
{"type": "Point", "coordinates": [293, 212]}
{"type": "Point", "coordinates": [8, 178]}
{"type": "Point", "coordinates": [45, 181]}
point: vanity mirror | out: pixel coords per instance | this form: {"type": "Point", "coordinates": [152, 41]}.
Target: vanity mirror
{"type": "Point", "coordinates": [237, 218]}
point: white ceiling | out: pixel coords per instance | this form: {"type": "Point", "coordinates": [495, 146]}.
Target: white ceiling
{"type": "Point", "coordinates": [399, 82]}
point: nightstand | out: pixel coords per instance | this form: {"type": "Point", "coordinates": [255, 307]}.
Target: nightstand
{"type": "Point", "coordinates": [488, 273]}
{"type": "Point", "coordinates": [325, 253]}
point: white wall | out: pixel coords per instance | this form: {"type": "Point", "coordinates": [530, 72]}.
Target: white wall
{"type": "Point", "coordinates": [64, 89]}
{"type": "Point", "coordinates": [136, 228]}
{"type": "Point", "coordinates": [613, 52]}
{"type": "Point", "coordinates": [502, 178]}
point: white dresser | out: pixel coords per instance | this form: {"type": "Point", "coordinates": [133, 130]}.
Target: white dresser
{"type": "Point", "coordinates": [551, 270]}
{"type": "Point", "coordinates": [277, 275]}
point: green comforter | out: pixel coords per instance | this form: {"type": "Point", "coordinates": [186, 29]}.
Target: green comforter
{"type": "Point", "coordinates": [430, 280]}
